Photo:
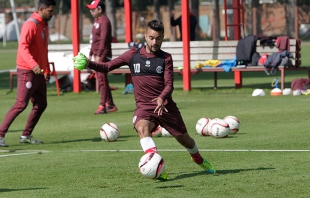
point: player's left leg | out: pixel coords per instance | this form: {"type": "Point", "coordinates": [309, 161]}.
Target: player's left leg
{"type": "Point", "coordinates": [191, 146]}
{"type": "Point", "coordinates": [173, 122]}
{"type": "Point", "coordinates": [39, 102]}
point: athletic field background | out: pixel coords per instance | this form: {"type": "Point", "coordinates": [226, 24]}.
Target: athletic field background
{"type": "Point", "coordinates": [268, 157]}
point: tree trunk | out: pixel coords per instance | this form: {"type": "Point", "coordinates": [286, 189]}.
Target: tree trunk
{"type": "Point", "coordinates": [255, 18]}
{"type": "Point", "coordinates": [290, 16]}
{"type": "Point", "coordinates": [36, 3]}
{"type": "Point", "coordinates": [172, 29]}
{"type": "Point", "coordinates": [195, 11]}
{"type": "Point", "coordinates": [156, 9]}
{"type": "Point", "coordinates": [217, 21]}
{"type": "Point", "coordinates": [59, 20]}
{"type": "Point", "coordinates": [110, 11]}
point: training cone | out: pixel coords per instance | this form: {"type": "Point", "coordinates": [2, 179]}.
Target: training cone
{"type": "Point", "coordinates": [276, 92]}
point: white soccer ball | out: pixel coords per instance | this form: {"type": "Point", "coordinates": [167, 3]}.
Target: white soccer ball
{"type": "Point", "coordinates": [218, 128]}
{"type": "Point", "coordinates": [165, 133]}
{"type": "Point", "coordinates": [202, 126]}
{"type": "Point", "coordinates": [156, 132]}
{"type": "Point", "coordinates": [151, 165]}
{"type": "Point", "coordinates": [233, 122]}
{"type": "Point", "coordinates": [109, 132]}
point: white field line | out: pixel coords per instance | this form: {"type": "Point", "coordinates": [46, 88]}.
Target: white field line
{"type": "Point", "coordinates": [18, 154]}
{"type": "Point", "coordinates": [25, 152]}
{"type": "Point", "coordinates": [207, 150]}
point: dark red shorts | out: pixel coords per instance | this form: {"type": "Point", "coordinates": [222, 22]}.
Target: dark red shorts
{"type": "Point", "coordinates": [171, 120]}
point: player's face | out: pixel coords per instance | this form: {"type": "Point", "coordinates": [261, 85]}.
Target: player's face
{"type": "Point", "coordinates": [47, 13]}
{"type": "Point", "coordinates": [153, 40]}
{"type": "Point", "coordinates": [95, 12]}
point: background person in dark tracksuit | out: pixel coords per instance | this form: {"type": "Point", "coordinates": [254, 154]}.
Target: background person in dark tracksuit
{"type": "Point", "coordinates": [102, 52]}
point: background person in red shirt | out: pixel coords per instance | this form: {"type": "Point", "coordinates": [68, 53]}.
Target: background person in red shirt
{"type": "Point", "coordinates": [102, 52]}
{"type": "Point", "coordinates": [32, 72]}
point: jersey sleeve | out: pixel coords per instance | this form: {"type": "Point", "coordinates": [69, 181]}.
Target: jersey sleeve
{"type": "Point", "coordinates": [106, 67]}
{"type": "Point", "coordinates": [26, 38]}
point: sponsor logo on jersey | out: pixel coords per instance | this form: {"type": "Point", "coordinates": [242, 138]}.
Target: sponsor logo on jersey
{"type": "Point", "coordinates": [148, 63]}
{"type": "Point", "coordinates": [159, 69]}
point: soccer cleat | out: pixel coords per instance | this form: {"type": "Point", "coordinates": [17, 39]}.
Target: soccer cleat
{"type": "Point", "coordinates": [208, 166]}
{"type": "Point", "coordinates": [2, 142]}
{"type": "Point", "coordinates": [305, 92]}
{"type": "Point", "coordinates": [128, 89]}
{"type": "Point", "coordinates": [29, 139]}
{"type": "Point", "coordinates": [111, 109]}
{"type": "Point", "coordinates": [163, 176]}
{"type": "Point", "coordinates": [101, 110]}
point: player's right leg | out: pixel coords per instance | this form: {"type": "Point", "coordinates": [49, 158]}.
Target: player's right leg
{"type": "Point", "coordinates": [144, 128]}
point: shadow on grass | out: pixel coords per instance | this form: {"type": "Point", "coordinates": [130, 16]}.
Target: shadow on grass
{"type": "Point", "coordinates": [19, 189]}
{"type": "Point", "coordinates": [123, 138]}
{"type": "Point", "coordinates": [16, 130]}
{"type": "Point", "coordinates": [218, 172]}
{"type": "Point", "coordinates": [224, 172]}
{"type": "Point", "coordinates": [173, 186]}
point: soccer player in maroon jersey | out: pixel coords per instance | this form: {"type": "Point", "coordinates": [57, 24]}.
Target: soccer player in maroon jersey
{"type": "Point", "coordinates": [152, 77]}
{"type": "Point", "coordinates": [102, 52]}
{"type": "Point", "coordinates": [32, 72]}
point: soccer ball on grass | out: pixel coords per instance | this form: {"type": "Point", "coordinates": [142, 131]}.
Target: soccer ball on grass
{"type": "Point", "coordinates": [233, 122]}
{"type": "Point", "coordinates": [218, 128]}
{"type": "Point", "coordinates": [202, 126]}
{"type": "Point", "coordinates": [165, 133]}
{"type": "Point", "coordinates": [109, 132]}
{"type": "Point", "coordinates": [151, 165]}
{"type": "Point", "coordinates": [156, 132]}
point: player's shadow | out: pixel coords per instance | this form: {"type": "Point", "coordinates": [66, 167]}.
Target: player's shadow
{"type": "Point", "coordinates": [16, 130]}
{"type": "Point", "coordinates": [173, 186]}
{"type": "Point", "coordinates": [123, 138]}
{"type": "Point", "coordinates": [218, 172]}
{"type": "Point", "coordinates": [188, 175]}
{"type": "Point", "coordinates": [120, 139]}
{"type": "Point", "coordinates": [224, 172]}
{"type": "Point", "coordinates": [18, 189]}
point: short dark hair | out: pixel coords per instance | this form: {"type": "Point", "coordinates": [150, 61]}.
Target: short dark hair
{"type": "Point", "coordinates": [46, 3]}
{"type": "Point", "coordinates": [101, 5]}
{"type": "Point", "coordinates": [156, 25]}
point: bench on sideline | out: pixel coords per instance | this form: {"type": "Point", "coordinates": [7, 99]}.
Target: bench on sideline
{"type": "Point", "coordinates": [200, 51]}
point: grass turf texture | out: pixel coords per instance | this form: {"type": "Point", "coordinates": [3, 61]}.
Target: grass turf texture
{"type": "Point", "coordinates": [69, 128]}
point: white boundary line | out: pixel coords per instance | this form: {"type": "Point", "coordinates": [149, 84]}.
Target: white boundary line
{"type": "Point", "coordinates": [19, 154]}
{"type": "Point", "coordinates": [208, 150]}
{"type": "Point", "coordinates": [160, 150]}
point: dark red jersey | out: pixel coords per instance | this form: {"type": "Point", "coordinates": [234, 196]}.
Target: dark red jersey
{"type": "Point", "coordinates": [101, 38]}
{"type": "Point", "coordinates": [152, 75]}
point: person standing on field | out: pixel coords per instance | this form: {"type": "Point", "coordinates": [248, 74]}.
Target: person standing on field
{"type": "Point", "coordinates": [152, 76]}
{"type": "Point", "coordinates": [32, 72]}
{"type": "Point", "coordinates": [102, 52]}
{"type": "Point", "coordinates": [178, 22]}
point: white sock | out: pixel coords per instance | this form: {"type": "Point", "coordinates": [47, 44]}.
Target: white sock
{"type": "Point", "coordinates": [148, 145]}
{"type": "Point", "coordinates": [193, 150]}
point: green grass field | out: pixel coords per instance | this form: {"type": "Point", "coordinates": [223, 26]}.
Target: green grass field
{"type": "Point", "coordinates": [268, 157]}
